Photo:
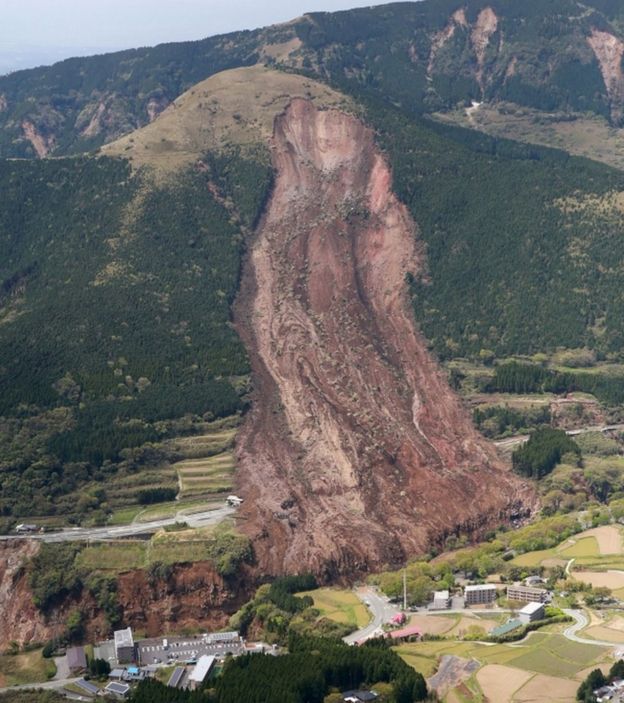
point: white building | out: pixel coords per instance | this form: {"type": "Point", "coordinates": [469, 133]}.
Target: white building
{"type": "Point", "coordinates": [531, 612]}
{"type": "Point", "coordinates": [481, 594]}
{"type": "Point", "coordinates": [441, 600]}
{"type": "Point", "coordinates": [124, 646]}
{"type": "Point", "coordinates": [201, 670]}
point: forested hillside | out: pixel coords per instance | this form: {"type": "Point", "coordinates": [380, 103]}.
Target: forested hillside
{"type": "Point", "coordinates": [425, 56]}
{"type": "Point", "coordinates": [523, 243]}
{"type": "Point", "coordinates": [115, 302]}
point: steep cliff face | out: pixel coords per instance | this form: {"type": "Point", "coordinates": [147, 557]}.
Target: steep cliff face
{"type": "Point", "coordinates": [20, 621]}
{"type": "Point", "coordinates": [187, 596]}
{"type": "Point", "coordinates": [356, 452]}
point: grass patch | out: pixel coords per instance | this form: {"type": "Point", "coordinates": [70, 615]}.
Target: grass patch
{"type": "Point", "coordinates": [113, 556]}
{"type": "Point", "coordinates": [534, 558]}
{"type": "Point", "coordinates": [29, 667]}
{"type": "Point", "coordinates": [343, 607]}
{"type": "Point", "coordinates": [585, 547]}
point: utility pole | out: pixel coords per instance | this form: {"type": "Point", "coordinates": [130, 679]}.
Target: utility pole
{"type": "Point", "coordinates": [404, 590]}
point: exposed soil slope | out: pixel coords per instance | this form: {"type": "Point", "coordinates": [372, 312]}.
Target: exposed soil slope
{"type": "Point", "coordinates": [188, 596]}
{"type": "Point", "coordinates": [356, 452]}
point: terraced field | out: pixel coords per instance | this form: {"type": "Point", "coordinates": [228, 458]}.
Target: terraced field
{"type": "Point", "coordinates": [208, 464]}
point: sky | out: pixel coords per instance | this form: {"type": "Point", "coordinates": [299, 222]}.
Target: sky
{"type": "Point", "coordinates": [35, 32]}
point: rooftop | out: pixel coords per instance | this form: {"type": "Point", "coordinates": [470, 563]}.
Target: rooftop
{"type": "Point", "coordinates": [504, 629]}
{"type": "Point", "coordinates": [120, 688]}
{"type": "Point", "coordinates": [531, 608]}
{"type": "Point", "coordinates": [123, 638]}
{"type": "Point", "coordinates": [441, 595]}
{"type": "Point", "coordinates": [481, 587]}
{"type": "Point", "coordinates": [86, 686]}
{"type": "Point", "coordinates": [203, 666]}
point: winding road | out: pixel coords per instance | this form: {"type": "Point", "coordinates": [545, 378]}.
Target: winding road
{"type": "Point", "coordinates": [382, 611]}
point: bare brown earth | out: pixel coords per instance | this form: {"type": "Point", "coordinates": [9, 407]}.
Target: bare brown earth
{"type": "Point", "coordinates": [191, 596]}
{"type": "Point", "coordinates": [356, 453]}
{"type": "Point", "coordinates": [609, 51]}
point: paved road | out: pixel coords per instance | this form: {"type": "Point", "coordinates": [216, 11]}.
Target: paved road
{"type": "Point", "coordinates": [581, 621]}
{"type": "Point", "coordinates": [84, 534]}
{"type": "Point", "coordinates": [520, 439]}
{"type": "Point", "coordinates": [382, 611]}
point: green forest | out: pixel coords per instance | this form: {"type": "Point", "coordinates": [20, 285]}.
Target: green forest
{"type": "Point", "coordinates": [503, 268]}
{"type": "Point", "coordinates": [313, 667]}
{"type": "Point", "coordinates": [115, 300]}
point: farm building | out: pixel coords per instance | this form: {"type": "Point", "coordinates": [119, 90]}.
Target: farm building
{"type": "Point", "coordinates": [481, 594]}
{"type": "Point", "coordinates": [76, 659]}
{"type": "Point", "coordinates": [441, 600]}
{"type": "Point", "coordinates": [527, 594]}
{"type": "Point", "coordinates": [509, 626]}
{"type": "Point", "coordinates": [201, 670]}
{"type": "Point", "coordinates": [531, 612]}
{"type": "Point", "coordinates": [409, 632]}
{"type": "Point", "coordinates": [124, 646]}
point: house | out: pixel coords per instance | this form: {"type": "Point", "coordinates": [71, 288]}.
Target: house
{"type": "Point", "coordinates": [358, 696]}
{"type": "Point", "coordinates": [201, 670]}
{"type": "Point", "coordinates": [124, 646]}
{"type": "Point", "coordinates": [441, 601]}
{"type": "Point", "coordinates": [527, 594]}
{"type": "Point", "coordinates": [76, 659]}
{"type": "Point", "coordinates": [531, 612]}
{"type": "Point", "coordinates": [117, 689]}
{"type": "Point", "coordinates": [481, 594]}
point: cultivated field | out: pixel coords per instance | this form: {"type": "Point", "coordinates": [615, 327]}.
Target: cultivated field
{"type": "Point", "coordinates": [499, 683]}
{"type": "Point", "coordinates": [340, 606]}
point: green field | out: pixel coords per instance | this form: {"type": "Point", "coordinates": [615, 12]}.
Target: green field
{"type": "Point", "coordinates": [343, 607]}
{"type": "Point", "coordinates": [543, 652]}
{"type": "Point", "coordinates": [29, 667]}
{"type": "Point", "coordinates": [585, 547]}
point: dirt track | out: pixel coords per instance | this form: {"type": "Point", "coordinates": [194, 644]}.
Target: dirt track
{"type": "Point", "coordinates": [356, 453]}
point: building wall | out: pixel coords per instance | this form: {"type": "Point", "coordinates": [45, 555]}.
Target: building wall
{"type": "Point", "coordinates": [480, 596]}
{"type": "Point", "coordinates": [526, 594]}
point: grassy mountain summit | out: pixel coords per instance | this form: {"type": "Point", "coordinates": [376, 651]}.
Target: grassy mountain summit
{"type": "Point", "coordinates": [426, 56]}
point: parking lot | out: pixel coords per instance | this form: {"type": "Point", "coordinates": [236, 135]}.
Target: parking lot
{"type": "Point", "coordinates": [182, 649]}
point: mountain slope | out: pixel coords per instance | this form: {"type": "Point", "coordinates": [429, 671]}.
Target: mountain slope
{"type": "Point", "coordinates": [425, 56]}
{"type": "Point", "coordinates": [356, 452]}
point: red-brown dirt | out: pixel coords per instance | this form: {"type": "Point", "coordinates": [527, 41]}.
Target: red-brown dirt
{"type": "Point", "coordinates": [188, 596]}
{"type": "Point", "coordinates": [356, 453]}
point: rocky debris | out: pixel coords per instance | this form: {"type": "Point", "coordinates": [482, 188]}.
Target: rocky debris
{"type": "Point", "coordinates": [21, 621]}
{"type": "Point", "coordinates": [353, 425]}
{"type": "Point", "coordinates": [609, 51]}
{"type": "Point", "coordinates": [486, 25]}
{"type": "Point", "coordinates": [452, 671]}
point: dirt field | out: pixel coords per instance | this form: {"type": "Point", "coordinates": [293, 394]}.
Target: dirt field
{"type": "Point", "coordinates": [547, 689]}
{"type": "Point", "coordinates": [465, 623]}
{"type": "Point", "coordinates": [499, 683]}
{"type": "Point", "coordinates": [432, 625]}
{"type": "Point", "coordinates": [601, 632]}
{"type": "Point", "coordinates": [609, 539]}
{"type": "Point", "coordinates": [612, 580]}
